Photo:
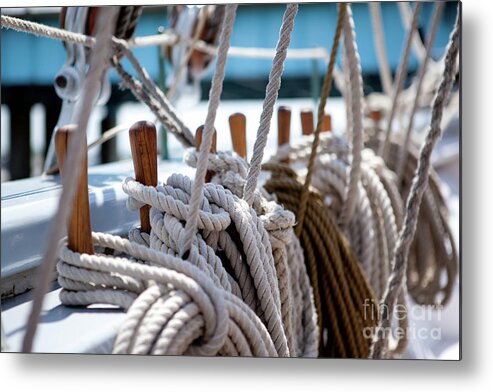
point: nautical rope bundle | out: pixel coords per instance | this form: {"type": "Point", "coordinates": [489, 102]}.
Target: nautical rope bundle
{"type": "Point", "coordinates": [372, 230]}
{"type": "Point", "coordinates": [338, 282]}
{"type": "Point", "coordinates": [226, 271]}
{"type": "Point", "coordinates": [173, 307]}
{"type": "Point", "coordinates": [433, 258]}
{"type": "Point", "coordinates": [231, 238]}
{"type": "Point", "coordinates": [433, 253]}
{"type": "Point", "coordinates": [228, 226]}
{"type": "Point", "coordinates": [416, 193]}
{"type": "Point", "coordinates": [297, 306]}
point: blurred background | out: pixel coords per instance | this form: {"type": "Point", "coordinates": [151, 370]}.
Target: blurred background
{"type": "Point", "coordinates": [30, 107]}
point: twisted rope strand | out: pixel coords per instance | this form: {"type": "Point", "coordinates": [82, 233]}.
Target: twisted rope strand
{"type": "Point", "coordinates": [320, 114]}
{"type": "Point", "coordinates": [214, 98]}
{"type": "Point", "coordinates": [378, 35]}
{"type": "Point", "coordinates": [399, 82]}
{"type": "Point", "coordinates": [429, 46]}
{"type": "Point", "coordinates": [272, 91]}
{"type": "Point", "coordinates": [40, 30]}
{"type": "Point", "coordinates": [356, 86]}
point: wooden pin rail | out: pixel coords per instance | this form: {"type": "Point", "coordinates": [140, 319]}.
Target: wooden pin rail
{"type": "Point", "coordinates": [198, 142]}
{"type": "Point", "coordinates": [79, 227]}
{"type": "Point", "coordinates": [237, 126]}
{"type": "Point", "coordinates": [143, 144]}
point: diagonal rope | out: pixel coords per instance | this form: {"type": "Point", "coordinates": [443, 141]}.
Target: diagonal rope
{"type": "Point", "coordinates": [418, 188]}
{"type": "Point", "coordinates": [422, 72]}
{"type": "Point", "coordinates": [205, 146]}
{"type": "Point", "coordinates": [149, 93]}
{"type": "Point", "coordinates": [356, 103]}
{"type": "Point", "coordinates": [401, 75]}
{"type": "Point", "coordinates": [40, 30]}
{"type": "Point", "coordinates": [72, 166]}
{"type": "Point", "coordinates": [272, 91]}
{"type": "Point", "coordinates": [378, 35]}
{"type": "Point", "coordinates": [145, 91]}
{"type": "Point", "coordinates": [418, 47]}
{"type": "Point", "coordinates": [320, 114]}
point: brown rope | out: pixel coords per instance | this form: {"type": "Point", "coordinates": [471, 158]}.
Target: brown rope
{"type": "Point", "coordinates": [340, 288]}
{"type": "Point", "coordinates": [320, 117]}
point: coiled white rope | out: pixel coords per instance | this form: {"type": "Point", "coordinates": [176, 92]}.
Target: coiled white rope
{"type": "Point", "coordinates": [198, 319]}
{"type": "Point", "coordinates": [258, 262]}
{"type": "Point", "coordinates": [297, 306]}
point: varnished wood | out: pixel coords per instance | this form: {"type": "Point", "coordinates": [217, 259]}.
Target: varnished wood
{"type": "Point", "coordinates": [326, 123]}
{"type": "Point", "coordinates": [79, 227]}
{"type": "Point", "coordinates": [143, 143]}
{"type": "Point", "coordinates": [237, 126]}
{"type": "Point", "coordinates": [198, 142]}
{"type": "Point", "coordinates": [307, 126]}
{"type": "Point", "coordinates": [283, 127]}
{"type": "Point", "coordinates": [375, 115]}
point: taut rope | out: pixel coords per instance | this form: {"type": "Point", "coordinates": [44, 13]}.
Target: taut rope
{"type": "Point", "coordinates": [272, 91]}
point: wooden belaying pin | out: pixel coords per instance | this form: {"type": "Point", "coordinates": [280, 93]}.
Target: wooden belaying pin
{"type": "Point", "coordinates": [237, 126]}
{"type": "Point", "coordinates": [143, 144]}
{"type": "Point", "coordinates": [283, 127]}
{"type": "Point", "coordinates": [326, 123]}
{"type": "Point", "coordinates": [306, 116]}
{"type": "Point", "coordinates": [198, 142]}
{"type": "Point", "coordinates": [79, 227]}
{"type": "Point", "coordinates": [375, 115]}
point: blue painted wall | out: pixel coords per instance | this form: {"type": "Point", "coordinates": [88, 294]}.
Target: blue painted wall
{"type": "Point", "coordinates": [29, 60]}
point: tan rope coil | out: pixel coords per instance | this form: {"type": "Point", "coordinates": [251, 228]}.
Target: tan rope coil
{"type": "Point", "coordinates": [373, 230]}
{"type": "Point", "coordinates": [338, 282]}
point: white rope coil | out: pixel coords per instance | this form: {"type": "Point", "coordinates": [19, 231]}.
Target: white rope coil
{"type": "Point", "coordinates": [198, 319]}
{"type": "Point", "coordinates": [297, 306]}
